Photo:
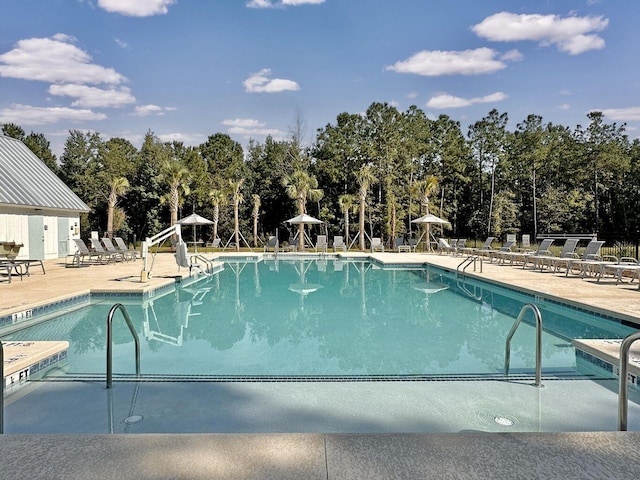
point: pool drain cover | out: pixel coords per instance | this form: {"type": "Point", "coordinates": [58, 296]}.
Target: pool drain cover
{"type": "Point", "coordinates": [133, 419]}
{"type": "Point", "coordinates": [504, 421]}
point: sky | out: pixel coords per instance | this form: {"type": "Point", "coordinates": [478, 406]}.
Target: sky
{"type": "Point", "coordinates": [187, 69]}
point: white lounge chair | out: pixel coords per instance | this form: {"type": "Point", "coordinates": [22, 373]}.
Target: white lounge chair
{"type": "Point", "coordinates": [338, 244]}
{"type": "Point", "coordinates": [122, 247]}
{"type": "Point", "coordinates": [112, 250]}
{"type": "Point", "coordinates": [321, 243]}
{"type": "Point", "coordinates": [377, 245]}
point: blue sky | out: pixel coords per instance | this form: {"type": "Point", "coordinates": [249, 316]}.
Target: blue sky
{"type": "Point", "coordinates": [186, 69]}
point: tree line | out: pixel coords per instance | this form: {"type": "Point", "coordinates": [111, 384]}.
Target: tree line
{"type": "Point", "coordinates": [366, 174]}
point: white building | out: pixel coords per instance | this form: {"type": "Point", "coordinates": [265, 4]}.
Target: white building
{"type": "Point", "coordinates": [36, 208]}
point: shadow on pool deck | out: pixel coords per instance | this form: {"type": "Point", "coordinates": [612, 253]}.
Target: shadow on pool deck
{"type": "Point", "coordinates": [317, 456]}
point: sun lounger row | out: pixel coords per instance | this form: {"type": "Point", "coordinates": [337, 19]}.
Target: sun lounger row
{"type": "Point", "coordinates": [100, 252]}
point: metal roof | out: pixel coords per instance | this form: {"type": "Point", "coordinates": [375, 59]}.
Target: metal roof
{"type": "Point", "coordinates": [25, 181]}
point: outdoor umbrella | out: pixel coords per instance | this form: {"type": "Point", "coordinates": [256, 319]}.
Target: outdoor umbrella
{"type": "Point", "coordinates": [428, 219]}
{"type": "Point", "coordinates": [304, 219]}
{"type": "Point", "coordinates": [194, 219]}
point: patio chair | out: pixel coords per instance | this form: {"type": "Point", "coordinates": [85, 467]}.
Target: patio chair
{"type": "Point", "coordinates": [377, 245]}
{"type": "Point", "coordinates": [526, 256]}
{"type": "Point", "coordinates": [122, 247]}
{"type": "Point", "coordinates": [413, 244]}
{"type": "Point", "coordinates": [112, 250]}
{"type": "Point", "coordinates": [272, 244]}
{"type": "Point", "coordinates": [485, 246]}
{"type": "Point", "coordinates": [82, 257]}
{"type": "Point", "coordinates": [99, 249]}
{"type": "Point", "coordinates": [321, 243]}
{"type": "Point", "coordinates": [338, 243]}
{"type": "Point", "coordinates": [460, 245]}
{"type": "Point", "coordinates": [618, 269]}
{"type": "Point", "coordinates": [400, 246]}
{"type": "Point", "coordinates": [497, 253]}
{"type": "Point", "coordinates": [444, 246]}
{"type": "Point", "coordinates": [214, 244]}
{"type": "Point", "coordinates": [590, 258]}
{"type": "Point", "coordinates": [567, 252]}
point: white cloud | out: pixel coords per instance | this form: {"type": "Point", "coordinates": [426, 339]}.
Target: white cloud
{"type": "Point", "coordinates": [28, 115]}
{"type": "Point", "coordinates": [512, 56]}
{"type": "Point", "coordinates": [260, 83]}
{"type": "Point", "coordinates": [186, 138]}
{"type": "Point", "coordinates": [433, 63]}
{"type": "Point", "coordinates": [92, 97]}
{"type": "Point", "coordinates": [136, 8]}
{"type": "Point", "coordinates": [55, 60]}
{"type": "Point", "coordinates": [629, 114]}
{"type": "Point", "coordinates": [243, 123]}
{"type": "Point", "coordinates": [570, 34]}
{"type": "Point", "coordinates": [147, 110]}
{"type": "Point", "coordinates": [445, 100]}
{"type": "Point", "coordinates": [121, 43]}
{"type": "Point", "coordinates": [282, 3]}
{"type": "Point", "coordinates": [249, 127]}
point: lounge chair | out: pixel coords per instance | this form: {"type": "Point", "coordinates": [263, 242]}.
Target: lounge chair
{"type": "Point", "coordinates": [272, 244]}
{"type": "Point", "coordinates": [567, 253]}
{"type": "Point", "coordinates": [12, 267]}
{"type": "Point", "coordinates": [527, 256]}
{"type": "Point", "coordinates": [112, 250]}
{"type": "Point", "coordinates": [496, 253]}
{"type": "Point", "coordinates": [400, 246]}
{"type": "Point", "coordinates": [214, 244]}
{"type": "Point", "coordinates": [485, 246]}
{"type": "Point", "coordinates": [321, 243]}
{"type": "Point", "coordinates": [618, 269]}
{"type": "Point", "coordinates": [377, 245]}
{"type": "Point", "coordinates": [460, 245]}
{"type": "Point", "coordinates": [444, 246]}
{"type": "Point", "coordinates": [99, 249]}
{"type": "Point", "coordinates": [338, 243]}
{"type": "Point", "coordinates": [590, 257]}
{"type": "Point", "coordinates": [413, 244]}
{"type": "Point", "coordinates": [122, 247]}
{"type": "Point", "coordinates": [82, 257]}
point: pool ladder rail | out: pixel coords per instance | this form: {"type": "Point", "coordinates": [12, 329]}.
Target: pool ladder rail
{"type": "Point", "coordinates": [507, 352]}
{"type": "Point", "coordinates": [134, 334]}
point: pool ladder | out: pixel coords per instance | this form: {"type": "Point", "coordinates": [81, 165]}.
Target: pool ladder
{"type": "Point", "coordinates": [507, 353]}
{"type": "Point", "coordinates": [134, 334]}
{"type": "Point", "coordinates": [468, 261]}
{"type": "Point", "coordinates": [623, 385]}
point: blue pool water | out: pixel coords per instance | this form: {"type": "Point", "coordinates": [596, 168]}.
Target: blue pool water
{"type": "Point", "coordinates": [319, 318]}
{"type": "Point", "coordinates": [320, 346]}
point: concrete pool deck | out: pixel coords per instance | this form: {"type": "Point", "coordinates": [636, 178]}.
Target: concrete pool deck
{"type": "Point", "coordinates": [327, 456]}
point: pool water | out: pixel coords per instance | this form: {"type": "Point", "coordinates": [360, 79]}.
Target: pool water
{"type": "Point", "coordinates": [315, 345]}
{"type": "Point", "coordinates": [324, 318]}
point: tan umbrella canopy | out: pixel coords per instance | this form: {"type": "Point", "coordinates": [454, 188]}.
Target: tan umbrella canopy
{"type": "Point", "coordinates": [194, 219]}
{"type": "Point", "coordinates": [429, 219]}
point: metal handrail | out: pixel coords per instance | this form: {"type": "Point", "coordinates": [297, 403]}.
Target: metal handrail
{"type": "Point", "coordinates": [112, 311]}
{"type": "Point", "coordinates": [507, 354]}
{"type": "Point", "coordinates": [623, 387]}
{"type": "Point", "coordinates": [468, 261]}
{"type": "Point", "coordinates": [1, 389]}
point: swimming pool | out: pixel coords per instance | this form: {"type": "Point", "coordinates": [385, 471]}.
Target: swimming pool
{"type": "Point", "coordinates": [312, 334]}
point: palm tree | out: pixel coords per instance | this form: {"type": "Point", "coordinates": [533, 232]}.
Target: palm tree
{"type": "Point", "coordinates": [238, 198]}
{"type": "Point", "coordinates": [365, 178]}
{"type": "Point", "coordinates": [218, 197]}
{"type": "Point", "coordinates": [255, 213]}
{"type": "Point", "coordinates": [301, 186]}
{"type": "Point", "coordinates": [347, 205]}
{"type": "Point", "coordinates": [176, 175]}
{"type": "Point", "coordinates": [117, 186]}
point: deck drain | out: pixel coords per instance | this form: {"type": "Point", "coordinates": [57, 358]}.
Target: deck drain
{"type": "Point", "coordinates": [133, 419]}
{"type": "Point", "coordinates": [504, 421]}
